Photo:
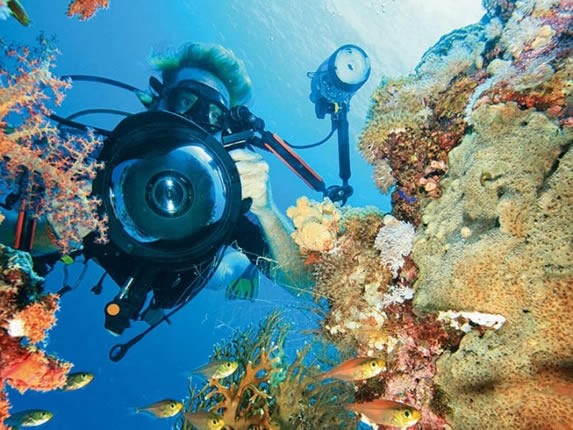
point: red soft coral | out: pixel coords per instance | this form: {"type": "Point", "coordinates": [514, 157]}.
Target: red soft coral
{"type": "Point", "coordinates": [86, 8]}
{"type": "Point", "coordinates": [32, 369]}
{"type": "Point", "coordinates": [23, 365]}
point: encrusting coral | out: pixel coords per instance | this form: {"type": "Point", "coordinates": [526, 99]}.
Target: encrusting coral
{"type": "Point", "coordinates": [488, 115]}
{"type": "Point", "coordinates": [26, 314]}
{"type": "Point", "coordinates": [478, 141]}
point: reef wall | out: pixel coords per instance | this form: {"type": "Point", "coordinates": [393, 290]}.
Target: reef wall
{"type": "Point", "coordinates": [478, 144]}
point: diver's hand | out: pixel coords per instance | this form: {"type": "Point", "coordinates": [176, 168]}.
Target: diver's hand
{"type": "Point", "coordinates": [254, 173]}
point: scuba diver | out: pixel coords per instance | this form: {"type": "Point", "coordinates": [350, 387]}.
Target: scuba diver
{"type": "Point", "coordinates": [200, 83]}
{"type": "Point", "coordinates": [188, 200]}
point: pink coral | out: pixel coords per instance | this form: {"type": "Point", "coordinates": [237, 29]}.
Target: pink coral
{"type": "Point", "coordinates": [59, 169]}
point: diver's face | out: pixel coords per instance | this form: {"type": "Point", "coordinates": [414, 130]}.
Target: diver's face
{"type": "Point", "coordinates": [183, 100]}
{"type": "Point", "coordinates": [201, 105]}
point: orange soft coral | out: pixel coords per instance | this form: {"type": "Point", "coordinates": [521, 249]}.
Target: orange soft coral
{"type": "Point", "coordinates": [37, 318]}
{"type": "Point", "coordinates": [86, 8]}
{"type": "Point", "coordinates": [33, 369]}
{"type": "Point", "coordinates": [4, 407]}
{"type": "Point", "coordinates": [61, 167]}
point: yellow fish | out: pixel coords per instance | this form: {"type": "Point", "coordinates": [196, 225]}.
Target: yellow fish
{"type": "Point", "coordinates": [356, 369]}
{"type": "Point", "coordinates": [77, 380]}
{"type": "Point", "coordinates": [387, 412]}
{"type": "Point", "coordinates": [217, 369]}
{"type": "Point", "coordinates": [28, 418]}
{"type": "Point", "coordinates": [162, 409]}
{"type": "Point", "coordinates": [205, 420]}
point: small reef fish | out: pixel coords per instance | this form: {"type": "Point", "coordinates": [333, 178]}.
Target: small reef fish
{"type": "Point", "coordinates": [77, 380]}
{"type": "Point", "coordinates": [356, 369]}
{"type": "Point", "coordinates": [217, 369]}
{"type": "Point", "coordinates": [387, 412]}
{"type": "Point", "coordinates": [28, 418]}
{"type": "Point", "coordinates": [18, 12]}
{"type": "Point", "coordinates": [205, 420]}
{"type": "Point", "coordinates": [162, 409]}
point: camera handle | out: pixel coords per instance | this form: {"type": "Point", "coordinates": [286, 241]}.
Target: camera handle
{"type": "Point", "coordinates": [241, 116]}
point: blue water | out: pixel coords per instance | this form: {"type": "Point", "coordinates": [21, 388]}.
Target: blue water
{"type": "Point", "coordinates": [280, 42]}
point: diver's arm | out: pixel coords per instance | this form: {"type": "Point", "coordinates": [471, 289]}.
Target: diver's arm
{"type": "Point", "coordinates": [290, 269]}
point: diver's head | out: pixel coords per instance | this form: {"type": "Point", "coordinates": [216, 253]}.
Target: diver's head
{"type": "Point", "coordinates": [201, 82]}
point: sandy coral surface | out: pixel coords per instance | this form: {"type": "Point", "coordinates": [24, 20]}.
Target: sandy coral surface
{"type": "Point", "coordinates": [479, 142]}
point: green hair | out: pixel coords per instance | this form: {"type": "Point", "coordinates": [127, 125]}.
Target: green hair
{"type": "Point", "coordinates": [211, 57]}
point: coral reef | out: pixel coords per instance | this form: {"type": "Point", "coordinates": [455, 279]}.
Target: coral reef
{"type": "Point", "coordinates": [416, 120]}
{"type": "Point", "coordinates": [510, 187]}
{"type": "Point", "coordinates": [266, 392]}
{"type": "Point", "coordinates": [25, 316]}
{"type": "Point", "coordinates": [505, 218]}
{"type": "Point", "coordinates": [86, 9]}
{"type": "Point", "coordinates": [479, 140]}
{"type": "Point", "coordinates": [366, 281]}
{"type": "Point", "coordinates": [56, 170]}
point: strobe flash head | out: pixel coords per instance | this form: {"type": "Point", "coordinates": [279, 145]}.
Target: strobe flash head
{"type": "Point", "coordinates": [339, 77]}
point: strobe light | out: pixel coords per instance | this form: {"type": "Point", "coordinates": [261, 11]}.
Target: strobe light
{"type": "Point", "coordinates": [338, 78]}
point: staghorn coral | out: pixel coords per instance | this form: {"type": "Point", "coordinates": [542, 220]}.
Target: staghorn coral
{"type": "Point", "coordinates": [86, 9]}
{"type": "Point", "coordinates": [57, 170]}
{"type": "Point", "coordinates": [266, 392]}
{"type": "Point", "coordinates": [23, 365]}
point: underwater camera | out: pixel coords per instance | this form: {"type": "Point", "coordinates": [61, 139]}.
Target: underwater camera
{"type": "Point", "coordinates": [172, 194]}
{"type": "Point", "coordinates": [171, 191]}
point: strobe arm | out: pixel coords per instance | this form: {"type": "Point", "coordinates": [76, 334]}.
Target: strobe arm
{"type": "Point", "coordinates": [243, 118]}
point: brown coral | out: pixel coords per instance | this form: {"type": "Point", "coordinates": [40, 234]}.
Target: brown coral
{"type": "Point", "coordinates": [509, 186]}
{"type": "Point", "coordinates": [496, 228]}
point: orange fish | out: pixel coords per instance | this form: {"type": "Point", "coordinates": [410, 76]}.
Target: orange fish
{"type": "Point", "coordinates": [387, 412]}
{"type": "Point", "coordinates": [356, 369]}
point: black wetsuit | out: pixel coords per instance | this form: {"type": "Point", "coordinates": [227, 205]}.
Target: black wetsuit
{"type": "Point", "coordinates": [171, 287]}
